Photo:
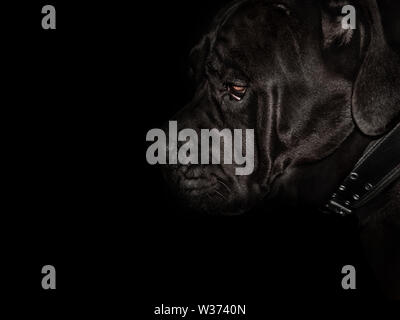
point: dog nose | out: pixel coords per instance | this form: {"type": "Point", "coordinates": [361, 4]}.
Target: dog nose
{"type": "Point", "coordinates": [192, 171]}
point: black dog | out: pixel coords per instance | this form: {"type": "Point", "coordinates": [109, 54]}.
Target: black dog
{"type": "Point", "coordinates": [316, 95]}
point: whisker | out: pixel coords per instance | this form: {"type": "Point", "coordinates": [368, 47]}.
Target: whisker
{"type": "Point", "coordinates": [224, 185]}
{"type": "Point", "coordinates": [220, 194]}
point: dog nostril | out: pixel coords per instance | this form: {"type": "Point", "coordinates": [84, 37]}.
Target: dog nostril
{"type": "Point", "coordinates": [194, 172]}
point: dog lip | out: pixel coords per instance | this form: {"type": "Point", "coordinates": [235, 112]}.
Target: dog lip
{"type": "Point", "coordinates": [196, 184]}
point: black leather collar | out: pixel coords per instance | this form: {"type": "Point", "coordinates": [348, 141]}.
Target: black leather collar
{"type": "Point", "coordinates": [377, 168]}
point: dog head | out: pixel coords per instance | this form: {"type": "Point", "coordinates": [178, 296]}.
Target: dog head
{"type": "Point", "coordinates": [291, 72]}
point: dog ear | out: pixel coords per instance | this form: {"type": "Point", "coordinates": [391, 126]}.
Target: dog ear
{"type": "Point", "coordinates": [363, 55]}
{"type": "Point", "coordinates": [198, 56]}
{"type": "Point", "coordinates": [376, 93]}
{"type": "Point", "coordinates": [340, 47]}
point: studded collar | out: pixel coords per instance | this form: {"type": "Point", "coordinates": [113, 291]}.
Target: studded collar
{"type": "Point", "coordinates": [376, 169]}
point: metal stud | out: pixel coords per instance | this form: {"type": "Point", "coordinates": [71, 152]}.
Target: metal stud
{"type": "Point", "coordinates": [342, 188]}
{"type": "Point", "coordinates": [356, 197]}
{"type": "Point", "coordinates": [368, 186]}
{"type": "Point", "coordinates": [347, 203]}
{"type": "Point", "coordinates": [343, 213]}
{"type": "Point", "coordinates": [354, 176]}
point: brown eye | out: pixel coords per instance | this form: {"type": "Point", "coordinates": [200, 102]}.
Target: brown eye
{"type": "Point", "coordinates": [237, 92]}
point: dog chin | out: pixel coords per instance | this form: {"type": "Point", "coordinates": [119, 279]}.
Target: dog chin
{"type": "Point", "coordinates": [209, 201]}
{"type": "Point", "coordinates": [204, 198]}
{"type": "Point", "coordinates": [207, 192]}
{"type": "Point", "coordinates": [199, 197]}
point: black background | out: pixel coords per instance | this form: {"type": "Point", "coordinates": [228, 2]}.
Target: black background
{"type": "Point", "coordinates": [78, 102]}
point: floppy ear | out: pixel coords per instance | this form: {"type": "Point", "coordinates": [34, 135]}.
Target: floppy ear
{"type": "Point", "coordinates": [197, 57]}
{"type": "Point", "coordinates": [376, 93]}
{"type": "Point", "coordinates": [363, 55]}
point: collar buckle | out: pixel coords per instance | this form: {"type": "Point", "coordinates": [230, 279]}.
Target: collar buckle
{"type": "Point", "coordinates": [336, 207]}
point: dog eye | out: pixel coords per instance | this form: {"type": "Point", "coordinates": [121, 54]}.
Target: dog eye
{"type": "Point", "coordinates": [237, 92]}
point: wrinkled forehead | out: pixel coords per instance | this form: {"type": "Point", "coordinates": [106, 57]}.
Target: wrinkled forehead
{"type": "Point", "coordinates": [249, 21]}
{"type": "Point", "coordinates": [250, 30]}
